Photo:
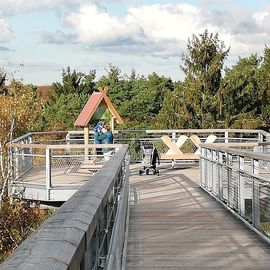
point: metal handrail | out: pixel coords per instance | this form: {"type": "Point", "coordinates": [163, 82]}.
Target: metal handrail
{"type": "Point", "coordinates": [238, 152]}
{"type": "Point", "coordinates": [71, 238]}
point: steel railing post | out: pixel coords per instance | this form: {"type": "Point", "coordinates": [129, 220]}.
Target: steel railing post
{"type": "Point", "coordinates": [255, 195]}
{"type": "Point", "coordinates": [220, 157]}
{"type": "Point", "coordinates": [16, 163]}
{"type": "Point", "coordinates": [229, 177]}
{"type": "Point", "coordinates": [48, 172]}
{"type": "Point", "coordinates": [201, 166]}
{"type": "Point", "coordinates": [226, 136]}
{"type": "Point", "coordinates": [174, 136]}
{"type": "Point", "coordinates": [241, 190]}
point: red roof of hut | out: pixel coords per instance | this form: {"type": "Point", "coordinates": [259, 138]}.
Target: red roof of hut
{"type": "Point", "coordinates": [91, 106]}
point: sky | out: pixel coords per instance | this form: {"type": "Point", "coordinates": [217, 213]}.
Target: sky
{"type": "Point", "coordinates": [40, 38]}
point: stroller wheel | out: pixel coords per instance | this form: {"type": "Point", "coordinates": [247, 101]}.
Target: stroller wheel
{"type": "Point", "coordinates": [140, 172]}
{"type": "Point", "coordinates": [147, 171]}
{"type": "Point", "coordinates": [157, 172]}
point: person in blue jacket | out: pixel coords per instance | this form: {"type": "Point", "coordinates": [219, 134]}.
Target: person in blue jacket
{"type": "Point", "coordinates": [107, 136]}
{"type": "Point", "coordinates": [98, 132]}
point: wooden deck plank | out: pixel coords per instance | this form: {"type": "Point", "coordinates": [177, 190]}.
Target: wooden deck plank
{"type": "Point", "coordinates": [174, 224]}
{"type": "Point", "coordinates": [60, 176]}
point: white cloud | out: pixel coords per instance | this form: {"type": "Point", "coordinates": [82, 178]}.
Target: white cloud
{"type": "Point", "coordinates": [5, 30]}
{"type": "Point", "coordinates": [94, 25]}
{"type": "Point", "coordinates": [165, 29]}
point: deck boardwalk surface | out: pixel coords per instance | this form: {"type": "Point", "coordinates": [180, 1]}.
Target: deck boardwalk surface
{"type": "Point", "coordinates": [174, 224]}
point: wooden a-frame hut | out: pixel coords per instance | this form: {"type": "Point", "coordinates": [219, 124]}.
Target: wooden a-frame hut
{"type": "Point", "coordinates": [98, 107]}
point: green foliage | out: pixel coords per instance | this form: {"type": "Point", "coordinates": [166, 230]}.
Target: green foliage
{"type": "Point", "coordinates": [137, 99]}
{"type": "Point", "coordinates": [203, 100]}
{"type": "Point", "coordinates": [239, 95]}
{"type": "Point", "coordinates": [202, 66]}
{"type": "Point", "coordinates": [173, 114]}
{"type": "Point", "coordinates": [147, 98]}
{"type": "Point", "coordinates": [67, 100]}
{"type": "Point", "coordinates": [263, 80]}
{"type": "Point", "coordinates": [75, 82]}
{"type": "Point", "coordinates": [62, 113]}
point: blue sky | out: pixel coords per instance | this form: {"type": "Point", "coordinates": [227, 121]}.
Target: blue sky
{"type": "Point", "coordinates": [39, 38]}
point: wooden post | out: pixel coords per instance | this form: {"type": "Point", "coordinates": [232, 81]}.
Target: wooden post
{"type": "Point", "coordinates": [86, 141]}
{"type": "Point", "coordinates": [112, 124]}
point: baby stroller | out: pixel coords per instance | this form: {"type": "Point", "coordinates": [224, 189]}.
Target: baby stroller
{"type": "Point", "coordinates": [149, 159]}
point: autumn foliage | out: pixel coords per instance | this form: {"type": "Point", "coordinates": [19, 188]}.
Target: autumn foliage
{"type": "Point", "coordinates": [17, 221]}
{"type": "Point", "coordinates": [19, 109]}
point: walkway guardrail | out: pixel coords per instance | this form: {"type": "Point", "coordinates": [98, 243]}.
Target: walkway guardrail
{"type": "Point", "coordinates": [54, 172]}
{"type": "Point", "coordinates": [87, 231]}
{"type": "Point", "coordinates": [135, 138]}
{"type": "Point", "coordinates": [240, 180]}
{"type": "Point", "coordinates": [51, 166]}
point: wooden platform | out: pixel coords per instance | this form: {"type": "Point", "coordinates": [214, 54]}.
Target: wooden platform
{"type": "Point", "coordinates": [68, 175]}
{"type": "Point", "coordinates": [65, 181]}
{"type": "Point", "coordinates": [174, 224]}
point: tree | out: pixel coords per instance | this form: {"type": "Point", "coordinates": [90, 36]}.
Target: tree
{"type": "Point", "coordinates": [239, 95]}
{"type": "Point", "coordinates": [202, 66]}
{"type": "Point", "coordinates": [146, 99]}
{"type": "Point", "coordinates": [67, 100]}
{"type": "Point", "coordinates": [19, 110]}
{"type": "Point", "coordinates": [119, 87]}
{"type": "Point", "coordinates": [75, 82]}
{"type": "Point", "coordinates": [264, 87]}
{"type": "Point", "coordinates": [174, 114]}
{"type": "Point", "coordinates": [3, 77]}
{"type": "Point", "coordinates": [62, 113]}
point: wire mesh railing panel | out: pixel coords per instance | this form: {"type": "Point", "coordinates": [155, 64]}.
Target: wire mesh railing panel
{"type": "Point", "coordinates": [52, 138]}
{"type": "Point", "coordinates": [203, 169]}
{"type": "Point", "coordinates": [189, 147]}
{"type": "Point", "coordinates": [240, 182]}
{"type": "Point", "coordinates": [247, 193]}
{"type": "Point", "coordinates": [248, 165]}
{"type": "Point", "coordinates": [23, 161]}
{"type": "Point", "coordinates": [72, 170]}
{"type": "Point", "coordinates": [264, 167]}
{"type": "Point", "coordinates": [134, 150]}
{"type": "Point", "coordinates": [224, 176]}
{"type": "Point", "coordinates": [233, 189]}
{"type": "Point", "coordinates": [216, 175]}
{"type": "Point", "coordinates": [265, 207]}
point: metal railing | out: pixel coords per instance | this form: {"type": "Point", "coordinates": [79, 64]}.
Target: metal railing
{"type": "Point", "coordinates": [45, 164]}
{"type": "Point", "coordinates": [240, 180]}
{"type": "Point", "coordinates": [53, 172]}
{"type": "Point", "coordinates": [135, 138]}
{"type": "Point", "coordinates": [87, 231]}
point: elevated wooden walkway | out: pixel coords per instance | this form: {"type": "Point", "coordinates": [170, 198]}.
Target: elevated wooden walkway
{"type": "Point", "coordinates": [174, 224]}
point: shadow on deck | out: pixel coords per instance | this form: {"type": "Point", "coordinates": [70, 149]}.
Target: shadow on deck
{"type": "Point", "coordinates": [174, 224]}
